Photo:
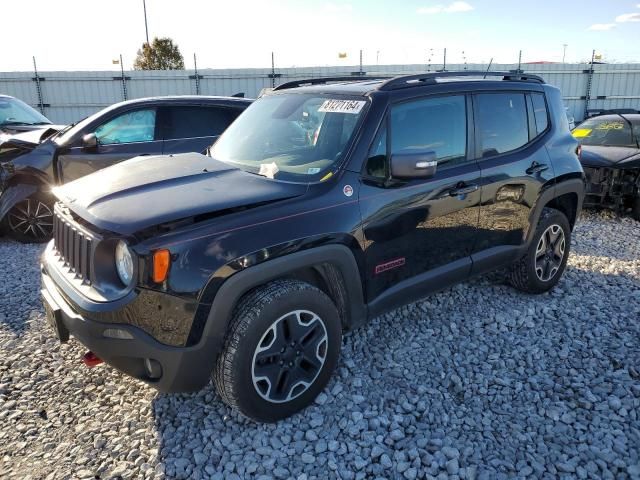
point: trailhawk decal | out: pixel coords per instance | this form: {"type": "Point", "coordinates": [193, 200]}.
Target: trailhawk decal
{"type": "Point", "coordinates": [383, 267]}
{"type": "Point", "coordinates": [342, 106]}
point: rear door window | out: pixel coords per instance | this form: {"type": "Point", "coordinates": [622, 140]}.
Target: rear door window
{"type": "Point", "coordinates": [197, 121]}
{"type": "Point", "coordinates": [502, 122]}
{"type": "Point", "coordinates": [130, 127]}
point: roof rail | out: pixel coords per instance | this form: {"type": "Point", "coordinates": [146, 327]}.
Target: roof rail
{"type": "Point", "coordinates": [407, 81]}
{"type": "Point", "coordinates": [323, 80]}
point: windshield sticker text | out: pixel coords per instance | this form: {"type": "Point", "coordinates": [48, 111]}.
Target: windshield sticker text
{"type": "Point", "coordinates": [342, 106]}
{"type": "Point", "coordinates": [610, 126]}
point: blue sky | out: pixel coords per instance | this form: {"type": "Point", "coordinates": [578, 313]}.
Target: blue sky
{"type": "Point", "coordinates": [87, 35]}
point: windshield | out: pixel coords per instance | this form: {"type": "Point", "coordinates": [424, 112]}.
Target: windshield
{"type": "Point", "coordinates": [295, 137]}
{"type": "Point", "coordinates": [607, 131]}
{"type": "Point", "coordinates": [16, 112]}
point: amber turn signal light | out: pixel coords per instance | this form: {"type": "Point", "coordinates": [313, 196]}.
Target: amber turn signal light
{"type": "Point", "coordinates": [161, 263]}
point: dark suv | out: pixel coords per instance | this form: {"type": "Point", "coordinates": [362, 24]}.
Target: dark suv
{"type": "Point", "coordinates": [320, 207]}
{"type": "Point", "coordinates": [32, 163]}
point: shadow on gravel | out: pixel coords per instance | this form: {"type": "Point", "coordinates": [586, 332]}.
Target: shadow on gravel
{"type": "Point", "coordinates": [477, 381]}
{"type": "Point", "coordinates": [19, 284]}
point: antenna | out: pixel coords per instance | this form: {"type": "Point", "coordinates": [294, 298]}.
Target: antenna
{"type": "Point", "coordinates": [488, 68]}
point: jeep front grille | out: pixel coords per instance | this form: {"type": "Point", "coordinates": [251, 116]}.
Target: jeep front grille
{"type": "Point", "coordinates": [73, 246]}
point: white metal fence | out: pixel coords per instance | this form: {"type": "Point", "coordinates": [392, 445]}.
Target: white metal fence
{"type": "Point", "coordinates": [66, 97]}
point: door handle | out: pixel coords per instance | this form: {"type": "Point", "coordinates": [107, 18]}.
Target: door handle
{"type": "Point", "coordinates": [463, 189]}
{"type": "Point", "coordinates": [536, 168]}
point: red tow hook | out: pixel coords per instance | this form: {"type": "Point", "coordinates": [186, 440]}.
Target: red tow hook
{"type": "Point", "coordinates": [91, 360]}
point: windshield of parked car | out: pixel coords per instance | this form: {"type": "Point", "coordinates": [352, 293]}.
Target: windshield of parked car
{"type": "Point", "coordinates": [293, 137]}
{"type": "Point", "coordinates": [610, 131]}
{"type": "Point", "coordinates": [16, 112]}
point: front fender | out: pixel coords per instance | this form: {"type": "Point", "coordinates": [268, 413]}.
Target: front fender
{"type": "Point", "coordinates": [13, 195]}
{"type": "Point", "coordinates": [240, 283]}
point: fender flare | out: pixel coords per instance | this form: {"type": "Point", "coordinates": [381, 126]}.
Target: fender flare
{"type": "Point", "coordinates": [573, 185]}
{"type": "Point", "coordinates": [240, 283]}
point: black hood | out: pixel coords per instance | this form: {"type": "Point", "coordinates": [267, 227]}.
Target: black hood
{"type": "Point", "coordinates": [616, 157]}
{"type": "Point", "coordinates": [147, 191]}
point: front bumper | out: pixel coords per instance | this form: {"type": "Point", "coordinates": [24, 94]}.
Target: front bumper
{"type": "Point", "coordinates": [167, 368]}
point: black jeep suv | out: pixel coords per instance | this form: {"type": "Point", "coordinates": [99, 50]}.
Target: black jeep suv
{"type": "Point", "coordinates": [324, 204]}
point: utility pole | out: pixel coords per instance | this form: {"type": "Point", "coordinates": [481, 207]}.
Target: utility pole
{"type": "Point", "coordinates": [124, 79]}
{"type": "Point", "coordinates": [38, 87]}
{"type": "Point", "coordinates": [146, 29]}
{"type": "Point", "coordinates": [195, 67]}
{"type": "Point", "coordinates": [564, 51]}
{"type": "Point", "coordinates": [587, 95]}
{"type": "Point", "coordinates": [360, 72]}
{"type": "Point", "coordinates": [519, 62]}
{"type": "Point", "coordinates": [444, 60]}
{"type": "Point", "coordinates": [273, 71]}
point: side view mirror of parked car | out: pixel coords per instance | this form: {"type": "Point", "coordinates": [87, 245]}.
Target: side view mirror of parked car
{"type": "Point", "coordinates": [89, 141]}
{"type": "Point", "coordinates": [414, 165]}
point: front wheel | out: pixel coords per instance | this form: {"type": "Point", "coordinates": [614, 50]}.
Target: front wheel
{"type": "Point", "coordinates": [31, 220]}
{"type": "Point", "coordinates": [540, 269]}
{"type": "Point", "coordinates": [281, 348]}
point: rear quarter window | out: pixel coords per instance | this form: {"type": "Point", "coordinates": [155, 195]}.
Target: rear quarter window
{"type": "Point", "coordinates": [540, 112]}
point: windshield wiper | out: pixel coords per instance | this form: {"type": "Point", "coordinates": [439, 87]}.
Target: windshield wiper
{"type": "Point", "coordinates": [14, 122]}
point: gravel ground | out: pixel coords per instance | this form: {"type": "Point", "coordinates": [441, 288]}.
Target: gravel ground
{"type": "Point", "coordinates": [479, 381]}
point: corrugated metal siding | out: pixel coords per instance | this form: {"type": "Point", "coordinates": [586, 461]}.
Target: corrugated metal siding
{"type": "Point", "coordinates": [70, 96]}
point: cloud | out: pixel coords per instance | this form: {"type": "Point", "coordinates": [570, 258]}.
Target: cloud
{"type": "Point", "coordinates": [455, 7]}
{"type": "Point", "coordinates": [601, 27]}
{"type": "Point", "coordinates": [338, 8]}
{"type": "Point", "coordinates": [628, 17]}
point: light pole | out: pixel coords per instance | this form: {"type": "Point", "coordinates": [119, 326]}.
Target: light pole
{"type": "Point", "coordinates": [146, 29]}
{"type": "Point", "coordinates": [564, 51]}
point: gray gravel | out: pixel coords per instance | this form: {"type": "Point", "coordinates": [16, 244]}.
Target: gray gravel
{"type": "Point", "coordinates": [479, 381]}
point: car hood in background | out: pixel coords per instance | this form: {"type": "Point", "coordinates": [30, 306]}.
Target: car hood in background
{"type": "Point", "coordinates": [617, 157]}
{"type": "Point", "coordinates": [30, 139]}
{"type": "Point", "coordinates": [147, 191]}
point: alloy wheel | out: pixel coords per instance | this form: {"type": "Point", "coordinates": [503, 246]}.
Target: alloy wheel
{"type": "Point", "coordinates": [289, 356]}
{"type": "Point", "coordinates": [550, 253]}
{"type": "Point", "coordinates": [31, 218]}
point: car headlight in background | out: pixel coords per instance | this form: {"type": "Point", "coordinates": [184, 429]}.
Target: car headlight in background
{"type": "Point", "coordinates": [124, 263]}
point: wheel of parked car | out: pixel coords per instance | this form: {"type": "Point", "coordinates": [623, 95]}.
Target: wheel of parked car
{"type": "Point", "coordinates": [31, 220]}
{"type": "Point", "coordinates": [542, 266]}
{"type": "Point", "coordinates": [281, 348]}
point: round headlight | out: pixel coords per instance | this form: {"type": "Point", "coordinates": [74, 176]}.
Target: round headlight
{"type": "Point", "coordinates": [124, 263]}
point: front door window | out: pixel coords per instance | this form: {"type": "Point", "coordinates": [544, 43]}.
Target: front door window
{"type": "Point", "coordinates": [130, 127]}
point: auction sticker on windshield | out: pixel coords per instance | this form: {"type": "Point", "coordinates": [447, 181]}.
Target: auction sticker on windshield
{"type": "Point", "coordinates": [342, 106]}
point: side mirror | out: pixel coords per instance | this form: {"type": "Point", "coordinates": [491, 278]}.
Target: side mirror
{"type": "Point", "coordinates": [89, 141]}
{"type": "Point", "coordinates": [414, 165]}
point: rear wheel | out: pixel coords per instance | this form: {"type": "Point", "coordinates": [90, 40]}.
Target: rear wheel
{"type": "Point", "coordinates": [542, 266]}
{"type": "Point", "coordinates": [282, 346]}
{"type": "Point", "coordinates": [31, 219]}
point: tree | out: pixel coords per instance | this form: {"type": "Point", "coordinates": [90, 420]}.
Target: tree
{"type": "Point", "coordinates": [162, 54]}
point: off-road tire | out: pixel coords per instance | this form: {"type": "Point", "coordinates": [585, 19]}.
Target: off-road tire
{"type": "Point", "coordinates": [252, 318]}
{"type": "Point", "coordinates": [522, 275]}
{"type": "Point", "coordinates": [36, 234]}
